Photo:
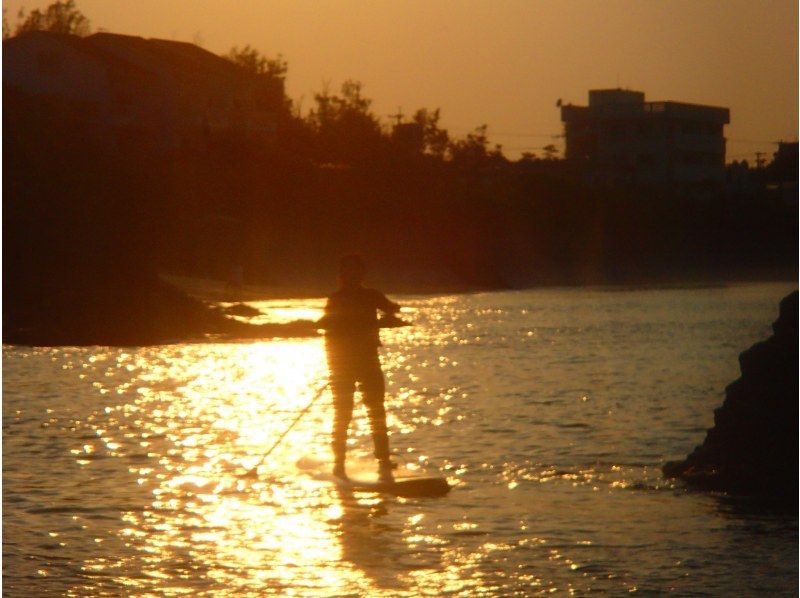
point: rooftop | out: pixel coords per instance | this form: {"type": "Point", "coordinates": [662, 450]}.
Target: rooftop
{"type": "Point", "coordinates": [623, 103]}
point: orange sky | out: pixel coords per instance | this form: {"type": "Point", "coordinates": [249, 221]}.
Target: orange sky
{"type": "Point", "coordinates": [505, 62]}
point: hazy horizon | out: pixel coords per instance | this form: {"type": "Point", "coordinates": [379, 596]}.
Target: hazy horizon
{"type": "Point", "coordinates": [505, 64]}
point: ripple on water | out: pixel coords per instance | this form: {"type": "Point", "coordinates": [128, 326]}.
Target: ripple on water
{"type": "Point", "coordinates": [121, 471]}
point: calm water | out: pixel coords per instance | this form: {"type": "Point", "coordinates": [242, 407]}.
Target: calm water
{"type": "Point", "coordinates": [550, 411]}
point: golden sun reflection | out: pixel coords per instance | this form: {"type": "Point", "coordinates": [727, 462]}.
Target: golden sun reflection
{"type": "Point", "coordinates": [204, 414]}
{"type": "Point", "coordinates": [130, 470]}
{"type": "Point", "coordinates": [214, 511]}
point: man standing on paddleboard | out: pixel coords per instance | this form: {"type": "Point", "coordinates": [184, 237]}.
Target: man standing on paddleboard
{"type": "Point", "coordinates": [351, 327]}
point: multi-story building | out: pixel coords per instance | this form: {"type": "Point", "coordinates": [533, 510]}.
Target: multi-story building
{"type": "Point", "coordinates": [168, 94]}
{"type": "Point", "coordinates": [621, 138]}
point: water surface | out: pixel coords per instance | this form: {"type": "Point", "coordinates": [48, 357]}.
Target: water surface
{"type": "Point", "coordinates": [550, 411]}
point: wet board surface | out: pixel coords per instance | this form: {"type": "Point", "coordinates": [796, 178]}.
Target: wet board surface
{"type": "Point", "coordinates": [409, 487]}
{"type": "Point", "coordinates": [406, 484]}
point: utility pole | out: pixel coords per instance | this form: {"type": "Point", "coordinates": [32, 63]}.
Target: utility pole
{"type": "Point", "coordinates": [760, 161]}
{"type": "Point", "coordinates": [398, 117]}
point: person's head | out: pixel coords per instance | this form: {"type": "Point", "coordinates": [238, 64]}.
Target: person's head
{"type": "Point", "coordinates": [351, 270]}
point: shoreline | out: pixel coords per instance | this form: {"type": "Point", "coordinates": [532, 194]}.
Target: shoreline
{"type": "Point", "coordinates": [190, 310]}
{"type": "Point", "coordinates": [215, 291]}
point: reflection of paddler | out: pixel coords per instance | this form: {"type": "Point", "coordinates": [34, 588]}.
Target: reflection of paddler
{"type": "Point", "coordinates": [372, 542]}
{"type": "Point", "coordinates": [351, 339]}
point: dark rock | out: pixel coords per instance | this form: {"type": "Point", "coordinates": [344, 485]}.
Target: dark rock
{"type": "Point", "coordinates": [127, 310]}
{"type": "Point", "coordinates": [753, 447]}
{"type": "Point", "coordinates": [242, 310]}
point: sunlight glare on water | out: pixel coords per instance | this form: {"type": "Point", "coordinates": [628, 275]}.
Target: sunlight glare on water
{"type": "Point", "coordinates": [216, 422]}
{"type": "Point", "coordinates": [203, 415]}
{"type": "Point", "coordinates": [550, 413]}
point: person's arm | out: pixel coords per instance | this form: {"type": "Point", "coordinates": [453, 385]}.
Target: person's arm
{"type": "Point", "coordinates": [324, 323]}
{"type": "Point", "coordinates": [391, 311]}
{"type": "Point", "coordinates": [385, 305]}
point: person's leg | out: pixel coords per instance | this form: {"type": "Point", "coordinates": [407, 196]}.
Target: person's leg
{"type": "Point", "coordinates": [373, 390]}
{"type": "Point", "coordinates": [342, 388]}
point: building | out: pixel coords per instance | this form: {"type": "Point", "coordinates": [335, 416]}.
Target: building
{"type": "Point", "coordinates": [782, 173]}
{"type": "Point", "coordinates": [165, 93]}
{"type": "Point", "coordinates": [621, 138]}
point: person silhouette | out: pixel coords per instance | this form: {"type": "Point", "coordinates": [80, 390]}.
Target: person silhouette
{"type": "Point", "coordinates": [352, 339]}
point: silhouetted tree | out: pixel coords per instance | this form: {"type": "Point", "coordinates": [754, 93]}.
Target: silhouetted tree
{"type": "Point", "coordinates": [346, 128]}
{"type": "Point", "coordinates": [270, 73]}
{"type": "Point", "coordinates": [435, 140]}
{"type": "Point", "coordinates": [550, 152]}
{"type": "Point", "coordinates": [784, 163]}
{"type": "Point", "coordinates": [471, 151]}
{"type": "Point", "coordinates": [448, 209]}
{"type": "Point", "coordinates": [252, 60]}
{"type": "Point", "coordinates": [60, 17]}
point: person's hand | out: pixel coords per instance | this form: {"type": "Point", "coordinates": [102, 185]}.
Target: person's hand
{"type": "Point", "coordinates": [392, 321]}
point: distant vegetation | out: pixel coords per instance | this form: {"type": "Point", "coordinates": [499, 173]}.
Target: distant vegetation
{"type": "Point", "coordinates": [60, 17]}
{"type": "Point", "coordinates": [430, 211]}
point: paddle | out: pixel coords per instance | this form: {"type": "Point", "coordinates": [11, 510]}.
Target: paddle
{"type": "Point", "coordinates": [253, 472]}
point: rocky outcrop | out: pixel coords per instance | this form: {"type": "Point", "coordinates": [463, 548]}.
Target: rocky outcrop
{"type": "Point", "coordinates": [242, 310]}
{"type": "Point", "coordinates": [753, 447]}
{"type": "Point", "coordinates": [127, 310]}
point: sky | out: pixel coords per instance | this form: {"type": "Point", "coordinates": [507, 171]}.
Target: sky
{"type": "Point", "coordinates": [504, 63]}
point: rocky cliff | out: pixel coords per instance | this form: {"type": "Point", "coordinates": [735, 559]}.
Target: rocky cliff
{"type": "Point", "coordinates": [753, 447]}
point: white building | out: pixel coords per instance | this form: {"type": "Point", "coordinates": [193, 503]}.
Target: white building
{"type": "Point", "coordinates": [619, 137]}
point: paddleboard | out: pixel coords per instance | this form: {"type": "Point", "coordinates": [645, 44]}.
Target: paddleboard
{"type": "Point", "coordinates": [361, 478]}
{"type": "Point", "coordinates": [411, 487]}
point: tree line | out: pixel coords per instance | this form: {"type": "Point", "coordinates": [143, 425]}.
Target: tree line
{"type": "Point", "coordinates": [430, 211]}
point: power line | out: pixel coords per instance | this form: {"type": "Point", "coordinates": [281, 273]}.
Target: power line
{"type": "Point", "coordinates": [490, 131]}
{"type": "Point", "coordinates": [756, 141]}
{"type": "Point", "coordinates": [506, 134]}
{"type": "Point", "coordinates": [526, 148]}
